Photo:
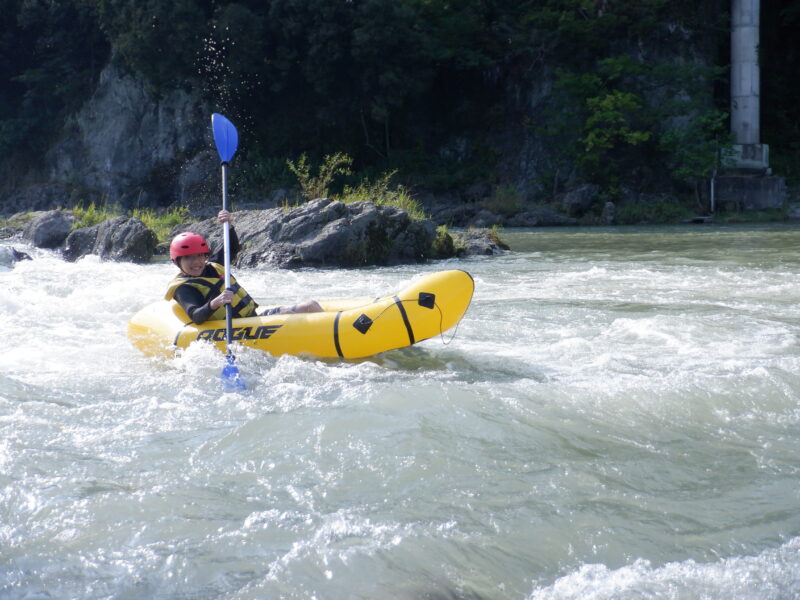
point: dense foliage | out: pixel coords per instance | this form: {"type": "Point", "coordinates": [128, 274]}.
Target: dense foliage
{"type": "Point", "coordinates": [50, 56]}
{"type": "Point", "coordinates": [430, 88]}
{"type": "Point", "coordinates": [780, 85]}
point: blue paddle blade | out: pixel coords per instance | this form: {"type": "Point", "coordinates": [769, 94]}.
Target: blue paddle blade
{"type": "Point", "coordinates": [231, 378]}
{"type": "Point", "coordinates": [225, 137]}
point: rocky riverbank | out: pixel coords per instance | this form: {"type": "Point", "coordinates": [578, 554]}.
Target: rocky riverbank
{"type": "Point", "coordinates": [320, 233]}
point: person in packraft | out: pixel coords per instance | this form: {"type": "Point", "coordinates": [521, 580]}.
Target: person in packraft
{"type": "Point", "coordinates": [200, 286]}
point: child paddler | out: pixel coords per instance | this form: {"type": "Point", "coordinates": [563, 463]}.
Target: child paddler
{"type": "Point", "coordinates": [199, 287]}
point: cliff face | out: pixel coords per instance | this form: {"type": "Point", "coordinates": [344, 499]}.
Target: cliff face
{"type": "Point", "coordinates": [125, 146]}
{"type": "Point", "coordinates": [128, 145]}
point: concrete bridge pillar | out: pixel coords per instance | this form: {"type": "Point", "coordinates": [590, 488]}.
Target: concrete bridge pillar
{"type": "Point", "coordinates": [747, 182]}
{"type": "Point", "coordinates": [749, 154]}
{"type": "Point", "coordinates": [745, 72]}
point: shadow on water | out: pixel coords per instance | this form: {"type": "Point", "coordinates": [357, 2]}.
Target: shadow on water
{"type": "Point", "coordinates": [447, 594]}
{"type": "Point", "coordinates": [454, 366]}
{"type": "Point", "coordinates": [26, 392]}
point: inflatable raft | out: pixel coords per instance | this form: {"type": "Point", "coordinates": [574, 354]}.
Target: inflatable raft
{"type": "Point", "coordinates": [353, 328]}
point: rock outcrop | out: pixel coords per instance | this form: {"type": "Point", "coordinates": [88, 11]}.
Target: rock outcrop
{"type": "Point", "coordinates": [320, 233]}
{"type": "Point", "coordinates": [128, 145]}
{"type": "Point", "coordinates": [120, 239]}
{"type": "Point", "coordinates": [49, 229]}
{"type": "Point", "coordinates": [10, 255]}
{"type": "Point", "coordinates": [326, 232]}
{"type": "Point", "coordinates": [481, 242]}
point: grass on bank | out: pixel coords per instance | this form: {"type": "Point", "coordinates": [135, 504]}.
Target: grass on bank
{"type": "Point", "coordinates": [89, 216]}
{"type": "Point", "coordinates": [380, 192]}
{"type": "Point", "coordinates": [161, 222]}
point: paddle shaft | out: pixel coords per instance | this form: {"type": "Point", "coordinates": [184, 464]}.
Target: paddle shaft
{"type": "Point", "coordinates": [226, 235]}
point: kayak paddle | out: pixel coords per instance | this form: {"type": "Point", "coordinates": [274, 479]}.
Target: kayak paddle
{"type": "Point", "coordinates": [226, 139]}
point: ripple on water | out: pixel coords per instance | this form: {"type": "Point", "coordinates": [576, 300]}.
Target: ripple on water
{"type": "Point", "coordinates": [616, 416]}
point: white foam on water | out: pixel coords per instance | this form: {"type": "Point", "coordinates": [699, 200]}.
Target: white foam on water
{"type": "Point", "coordinates": [771, 575]}
{"type": "Point", "coordinates": [617, 415]}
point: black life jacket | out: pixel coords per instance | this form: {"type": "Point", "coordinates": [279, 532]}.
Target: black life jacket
{"type": "Point", "coordinates": [211, 287]}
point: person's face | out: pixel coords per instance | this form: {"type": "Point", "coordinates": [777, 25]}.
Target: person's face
{"type": "Point", "coordinates": [193, 264]}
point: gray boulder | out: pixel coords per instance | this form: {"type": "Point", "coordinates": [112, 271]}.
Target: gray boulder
{"type": "Point", "coordinates": [118, 239]}
{"type": "Point", "coordinates": [325, 232]}
{"type": "Point", "coordinates": [80, 243]}
{"type": "Point", "coordinates": [479, 242]}
{"type": "Point", "coordinates": [9, 256]}
{"type": "Point", "coordinates": [49, 229]}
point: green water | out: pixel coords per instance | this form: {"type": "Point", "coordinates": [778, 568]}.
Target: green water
{"type": "Point", "coordinates": [616, 417]}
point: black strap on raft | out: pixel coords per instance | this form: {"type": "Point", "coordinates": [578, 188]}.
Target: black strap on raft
{"type": "Point", "coordinates": [336, 335]}
{"type": "Point", "coordinates": [363, 323]}
{"type": "Point", "coordinates": [409, 330]}
{"type": "Point", "coordinates": [425, 300]}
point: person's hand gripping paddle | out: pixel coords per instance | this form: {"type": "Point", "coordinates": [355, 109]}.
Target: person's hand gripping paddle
{"type": "Point", "coordinates": [226, 139]}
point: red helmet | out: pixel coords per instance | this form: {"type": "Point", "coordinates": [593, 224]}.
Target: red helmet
{"type": "Point", "coordinates": [187, 243]}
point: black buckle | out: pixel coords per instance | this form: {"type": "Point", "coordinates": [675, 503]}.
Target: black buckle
{"type": "Point", "coordinates": [427, 300]}
{"type": "Point", "coordinates": [362, 323]}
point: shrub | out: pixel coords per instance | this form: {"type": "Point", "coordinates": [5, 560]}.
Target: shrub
{"type": "Point", "coordinates": [381, 194]}
{"type": "Point", "coordinates": [162, 223]}
{"type": "Point", "coordinates": [505, 200]}
{"type": "Point", "coordinates": [494, 236]}
{"type": "Point", "coordinates": [443, 244]}
{"type": "Point", "coordinates": [88, 216]}
{"type": "Point", "coordinates": [316, 186]}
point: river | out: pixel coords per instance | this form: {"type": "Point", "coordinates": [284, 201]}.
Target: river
{"type": "Point", "coordinates": [616, 417]}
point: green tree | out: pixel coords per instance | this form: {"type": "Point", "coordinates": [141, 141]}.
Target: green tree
{"type": "Point", "coordinates": [157, 39]}
{"type": "Point", "coordinates": [51, 54]}
{"type": "Point", "coordinates": [779, 58]}
{"type": "Point", "coordinates": [637, 124]}
{"type": "Point", "coordinates": [425, 86]}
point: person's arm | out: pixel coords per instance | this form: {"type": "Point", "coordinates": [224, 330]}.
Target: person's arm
{"type": "Point", "coordinates": [219, 256]}
{"type": "Point", "coordinates": [192, 302]}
